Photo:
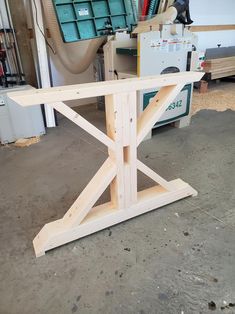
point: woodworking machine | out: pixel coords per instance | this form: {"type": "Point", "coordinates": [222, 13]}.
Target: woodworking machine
{"type": "Point", "coordinates": [141, 40]}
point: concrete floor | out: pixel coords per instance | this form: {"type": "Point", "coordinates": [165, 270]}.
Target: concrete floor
{"type": "Point", "coordinates": [172, 260]}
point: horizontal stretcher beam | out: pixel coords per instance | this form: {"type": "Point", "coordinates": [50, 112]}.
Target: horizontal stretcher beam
{"type": "Point", "coordinates": [80, 91]}
{"type": "Point", "coordinates": [103, 216]}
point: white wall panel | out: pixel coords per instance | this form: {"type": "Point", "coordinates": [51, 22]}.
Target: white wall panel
{"type": "Point", "coordinates": [216, 12]}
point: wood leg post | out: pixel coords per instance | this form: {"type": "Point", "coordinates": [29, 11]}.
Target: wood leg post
{"type": "Point", "coordinates": [121, 128]}
{"type": "Point", "coordinates": [124, 134]}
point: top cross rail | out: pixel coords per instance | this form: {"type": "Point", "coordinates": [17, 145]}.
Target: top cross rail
{"type": "Point", "coordinates": [81, 91]}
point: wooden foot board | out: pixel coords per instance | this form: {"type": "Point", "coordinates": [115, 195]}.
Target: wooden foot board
{"type": "Point", "coordinates": [125, 131]}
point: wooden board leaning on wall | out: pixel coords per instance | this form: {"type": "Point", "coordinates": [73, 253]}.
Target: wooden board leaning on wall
{"type": "Point", "coordinates": [211, 28]}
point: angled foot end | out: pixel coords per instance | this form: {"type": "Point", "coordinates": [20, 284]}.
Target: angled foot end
{"type": "Point", "coordinates": [194, 193]}
{"type": "Point", "coordinates": [39, 254]}
{"type": "Point", "coordinates": [39, 251]}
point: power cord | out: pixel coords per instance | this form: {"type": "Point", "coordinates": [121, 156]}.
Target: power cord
{"type": "Point", "coordinates": [47, 42]}
{"type": "Point", "coordinates": [116, 73]}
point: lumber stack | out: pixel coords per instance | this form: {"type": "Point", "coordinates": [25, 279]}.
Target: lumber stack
{"type": "Point", "coordinates": [220, 67]}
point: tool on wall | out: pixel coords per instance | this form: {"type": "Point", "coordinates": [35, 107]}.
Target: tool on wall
{"type": "Point", "coordinates": [11, 65]}
{"type": "Point", "coordinates": [3, 68]}
{"type": "Point", "coordinates": [15, 122]}
{"type": "Point", "coordinates": [145, 7]}
{"type": "Point", "coordinates": [166, 12]}
{"type": "Point", "coordinates": [153, 7]}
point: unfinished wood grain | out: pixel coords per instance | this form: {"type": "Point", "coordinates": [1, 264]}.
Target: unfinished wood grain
{"type": "Point", "coordinates": [129, 148]}
{"type": "Point", "coordinates": [80, 91]}
{"type": "Point", "coordinates": [211, 28]}
{"type": "Point", "coordinates": [220, 67]}
{"type": "Point", "coordinates": [83, 123]}
{"type": "Point", "coordinates": [54, 234]}
{"type": "Point", "coordinates": [221, 74]}
{"type": "Point", "coordinates": [155, 109]}
{"type": "Point", "coordinates": [90, 194]}
{"type": "Point", "coordinates": [114, 130]}
{"type": "Point", "coordinates": [218, 64]}
{"type": "Point", "coordinates": [154, 176]}
{"type": "Point", "coordinates": [124, 134]}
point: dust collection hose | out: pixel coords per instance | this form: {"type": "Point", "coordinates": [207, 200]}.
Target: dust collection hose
{"type": "Point", "coordinates": [182, 6]}
{"type": "Point", "coordinates": [76, 57]}
{"type": "Point", "coordinates": [179, 10]}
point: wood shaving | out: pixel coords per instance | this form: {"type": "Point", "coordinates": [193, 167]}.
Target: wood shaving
{"type": "Point", "coordinates": [220, 97]}
{"type": "Point", "coordinates": [26, 142]}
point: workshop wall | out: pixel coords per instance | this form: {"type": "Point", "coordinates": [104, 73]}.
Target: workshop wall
{"type": "Point", "coordinates": [216, 12]}
{"type": "Point", "coordinates": [19, 19]}
{"type": "Point", "coordinates": [3, 16]}
{"type": "Point", "coordinates": [61, 76]}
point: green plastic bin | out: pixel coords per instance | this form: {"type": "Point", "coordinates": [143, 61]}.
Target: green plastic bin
{"type": "Point", "coordinates": [81, 20]}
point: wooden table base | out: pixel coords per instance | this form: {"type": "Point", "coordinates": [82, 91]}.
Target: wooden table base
{"type": "Point", "coordinates": [124, 133]}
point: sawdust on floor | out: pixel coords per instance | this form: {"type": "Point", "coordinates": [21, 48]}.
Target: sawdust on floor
{"type": "Point", "coordinates": [219, 97]}
{"type": "Point", "coordinates": [26, 142]}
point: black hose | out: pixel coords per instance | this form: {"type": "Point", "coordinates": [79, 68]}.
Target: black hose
{"type": "Point", "coordinates": [182, 6]}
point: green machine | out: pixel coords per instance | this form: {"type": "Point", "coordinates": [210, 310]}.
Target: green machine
{"type": "Point", "coordinates": [154, 51]}
{"type": "Point", "coordinates": [81, 20]}
{"type": "Point", "coordinates": [178, 109]}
